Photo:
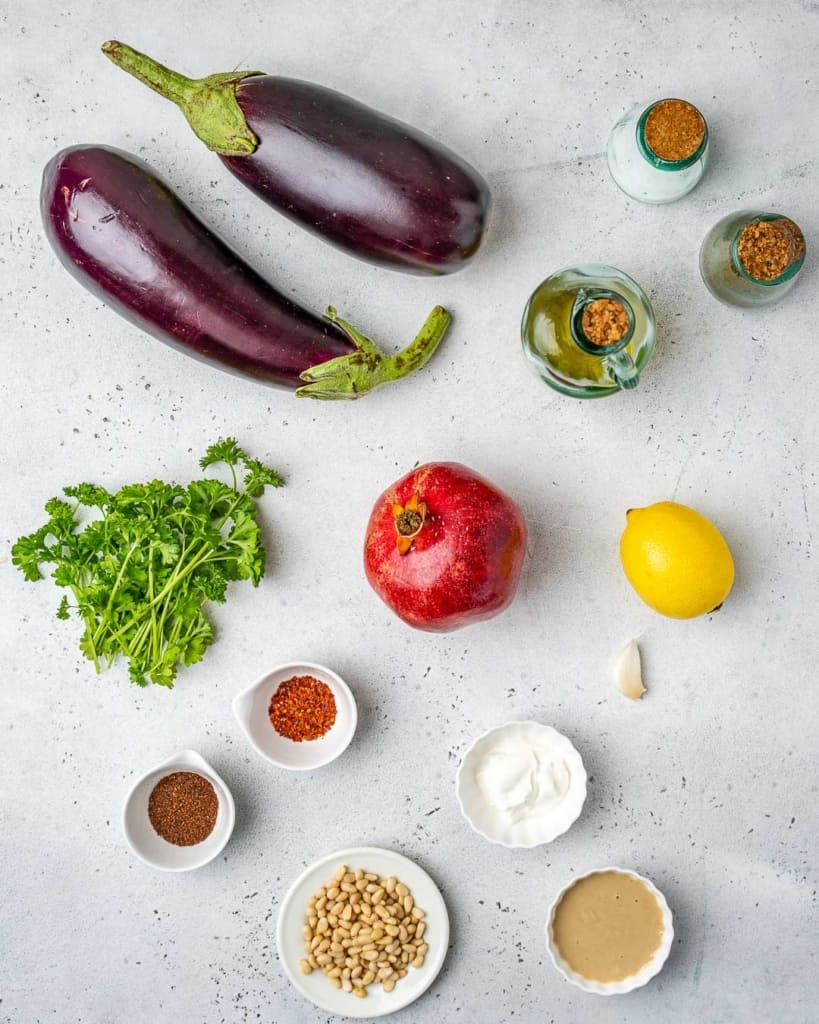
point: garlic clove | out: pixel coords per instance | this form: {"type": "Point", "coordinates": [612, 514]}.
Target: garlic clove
{"type": "Point", "coordinates": [628, 675]}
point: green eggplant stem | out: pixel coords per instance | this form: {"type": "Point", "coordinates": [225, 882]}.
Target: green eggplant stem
{"type": "Point", "coordinates": [353, 375]}
{"type": "Point", "coordinates": [209, 104]}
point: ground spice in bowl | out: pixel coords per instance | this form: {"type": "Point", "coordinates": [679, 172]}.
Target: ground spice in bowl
{"type": "Point", "coordinates": [182, 808]}
{"type": "Point", "coordinates": [302, 708]}
{"type": "Point", "coordinates": [766, 248]}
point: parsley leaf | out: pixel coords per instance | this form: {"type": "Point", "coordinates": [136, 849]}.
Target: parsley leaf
{"type": "Point", "coordinates": [141, 573]}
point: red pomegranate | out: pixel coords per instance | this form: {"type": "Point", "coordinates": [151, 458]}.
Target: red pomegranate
{"type": "Point", "coordinates": [444, 547]}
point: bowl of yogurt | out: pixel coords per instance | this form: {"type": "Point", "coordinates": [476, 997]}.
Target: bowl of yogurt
{"type": "Point", "coordinates": [521, 784]}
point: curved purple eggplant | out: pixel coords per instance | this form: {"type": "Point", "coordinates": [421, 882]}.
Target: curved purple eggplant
{"type": "Point", "coordinates": [121, 231]}
{"type": "Point", "coordinates": [371, 185]}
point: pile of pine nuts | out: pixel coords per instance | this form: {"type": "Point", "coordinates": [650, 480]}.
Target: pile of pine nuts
{"type": "Point", "coordinates": [362, 929]}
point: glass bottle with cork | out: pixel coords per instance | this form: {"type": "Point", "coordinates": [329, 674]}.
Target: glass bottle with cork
{"type": "Point", "coordinates": [589, 331]}
{"type": "Point", "coordinates": [751, 258]}
{"type": "Point", "coordinates": [657, 153]}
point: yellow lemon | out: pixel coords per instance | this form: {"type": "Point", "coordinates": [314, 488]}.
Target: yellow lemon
{"type": "Point", "coordinates": [676, 560]}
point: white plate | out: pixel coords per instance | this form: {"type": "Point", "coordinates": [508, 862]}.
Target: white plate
{"type": "Point", "coordinates": [251, 709]}
{"type": "Point", "coordinates": [152, 848]}
{"type": "Point", "coordinates": [645, 974]}
{"type": "Point", "coordinates": [529, 831]}
{"type": "Point", "coordinates": [316, 986]}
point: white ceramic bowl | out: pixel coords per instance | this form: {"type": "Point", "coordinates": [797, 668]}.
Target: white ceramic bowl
{"type": "Point", "coordinates": [316, 987]}
{"type": "Point", "coordinates": [251, 708]}
{"type": "Point", "coordinates": [645, 974]}
{"type": "Point", "coordinates": [152, 848]}
{"type": "Point", "coordinates": [528, 832]}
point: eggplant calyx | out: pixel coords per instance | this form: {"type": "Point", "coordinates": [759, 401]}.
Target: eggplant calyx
{"type": "Point", "coordinates": [209, 104]}
{"type": "Point", "coordinates": [366, 368]}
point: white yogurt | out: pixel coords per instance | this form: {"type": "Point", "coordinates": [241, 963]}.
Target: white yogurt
{"type": "Point", "coordinates": [521, 784]}
{"type": "Point", "coordinates": [518, 778]}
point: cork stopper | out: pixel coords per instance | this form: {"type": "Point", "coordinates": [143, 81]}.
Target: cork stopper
{"type": "Point", "coordinates": [605, 322]}
{"type": "Point", "coordinates": [674, 130]}
{"type": "Point", "coordinates": [766, 248]}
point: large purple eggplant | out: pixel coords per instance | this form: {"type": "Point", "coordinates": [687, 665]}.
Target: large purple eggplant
{"type": "Point", "coordinates": [121, 231]}
{"type": "Point", "coordinates": [371, 185]}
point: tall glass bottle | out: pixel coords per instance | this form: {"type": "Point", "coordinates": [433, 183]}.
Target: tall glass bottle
{"type": "Point", "coordinates": [751, 259]}
{"type": "Point", "coordinates": [589, 331]}
{"type": "Point", "coordinates": [658, 153]}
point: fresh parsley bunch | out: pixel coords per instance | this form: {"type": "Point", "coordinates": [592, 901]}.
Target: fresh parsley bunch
{"type": "Point", "coordinates": [141, 573]}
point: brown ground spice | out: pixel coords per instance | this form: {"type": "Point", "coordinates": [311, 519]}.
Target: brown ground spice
{"type": "Point", "coordinates": [766, 248]}
{"type": "Point", "coordinates": [674, 130]}
{"type": "Point", "coordinates": [183, 808]}
{"type": "Point", "coordinates": [605, 321]}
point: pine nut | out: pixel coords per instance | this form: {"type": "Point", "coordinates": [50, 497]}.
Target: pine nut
{"type": "Point", "coordinates": [362, 929]}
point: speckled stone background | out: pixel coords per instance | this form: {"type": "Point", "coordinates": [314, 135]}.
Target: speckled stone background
{"type": "Point", "coordinates": [708, 785]}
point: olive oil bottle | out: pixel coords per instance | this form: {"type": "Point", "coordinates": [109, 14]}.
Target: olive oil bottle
{"type": "Point", "coordinates": [589, 331]}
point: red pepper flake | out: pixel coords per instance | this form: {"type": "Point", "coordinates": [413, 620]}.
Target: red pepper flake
{"type": "Point", "coordinates": [302, 708]}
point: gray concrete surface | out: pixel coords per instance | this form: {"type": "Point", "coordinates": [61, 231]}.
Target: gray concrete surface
{"type": "Point", "coordinates": [708, 785]}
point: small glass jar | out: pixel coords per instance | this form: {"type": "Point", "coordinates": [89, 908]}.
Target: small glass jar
{"type": "Point", "coordinates": [741, 268]}
{"type": "Point", "coordinates": [658, 153]}
{"type": "Point", "coordinates": [589, 331]}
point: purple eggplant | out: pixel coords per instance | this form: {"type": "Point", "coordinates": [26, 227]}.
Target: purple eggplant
{"type": "Point", "coordinates": [371, 185]}
{"type": "Point", "coordinates": [121, 231]}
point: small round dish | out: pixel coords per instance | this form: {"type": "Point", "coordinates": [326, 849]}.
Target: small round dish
{"type": "Point", "coordinates": [528, 831]}
{"type": "Point", "coordinates": [646, 972]}
{"type": "Point", "coordinates": [150, 847]}
{"type": "Point", "coordinates": [251, 709]}
{"type": "Point", "coordinates": [316, 987]}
